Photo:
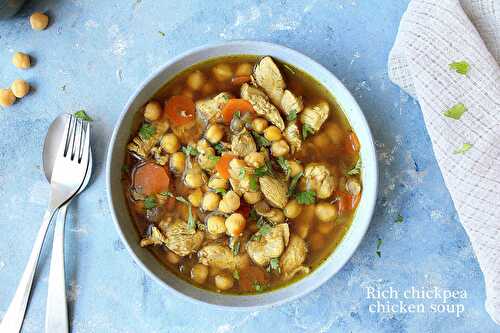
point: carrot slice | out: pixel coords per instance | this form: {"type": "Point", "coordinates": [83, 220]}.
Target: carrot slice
{"type": "Point", "coordinates": [235, 105]}
{"type": "Point", "coordinates": [222, 165]}
{"type": "Point", "coordinates": [352, 144]}
{"type": "Point", "coordinates": [150, 178]}
{"type": "Point", "coordinates": [239, 80]}
{"type": "Point", "coordinates": [347, 202]}
{"type": "Point", "coordinates": [180, 110]}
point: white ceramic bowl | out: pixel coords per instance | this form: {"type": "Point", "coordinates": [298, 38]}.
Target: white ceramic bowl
{"type": "Point", "coordinates": [125, 225]}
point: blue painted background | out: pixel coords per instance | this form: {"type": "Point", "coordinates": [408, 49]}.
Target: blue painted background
{"type": "Point", "coordinates": [93, 56]}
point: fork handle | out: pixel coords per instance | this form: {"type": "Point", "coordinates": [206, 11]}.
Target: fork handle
{"type": "Point", "coordinates": [13, 319]}
{"type": "Point", "coordinates": [56, 315]}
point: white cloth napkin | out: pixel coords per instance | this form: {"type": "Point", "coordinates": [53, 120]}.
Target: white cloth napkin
{"type": "Point", "coordinates": [432, 35]}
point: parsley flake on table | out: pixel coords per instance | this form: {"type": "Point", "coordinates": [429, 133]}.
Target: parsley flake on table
{"type": "Point", "coordinates": [83, 115]}
{"type": "Point", "coordinates": [399, 219]}
{"type": "Point", "coordinates": [462, 150]}
{"type": "Point", "coordinates": [150, 202]}
{"type": "Point", "coordinates": [306, 197]}
{"type": "Point", "coordinates": [356, 170]}
{"type": "Point", "coordinates": [456, 111]}
{"type": "Point", "coordinates": [379, 245]}
{"type": "Point", "coordinates": [147, 131]}
{"type": "Point", "coordinates": [161, 33]}
{"type": "Point", "coordinates": [461, 67]}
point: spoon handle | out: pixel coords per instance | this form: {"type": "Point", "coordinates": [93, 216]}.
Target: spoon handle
{"type": "Point", "coordinates": [56, 315]}
{"type": "Point", "coordinates": [13, 319]}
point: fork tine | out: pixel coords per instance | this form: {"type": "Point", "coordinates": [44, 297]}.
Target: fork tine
{"type": "Point", "coordinates": [85, 147]}
{"type": "Point", "coordinates": [63, 146]}
{"type": "Point", "coordinates": [77, 143]}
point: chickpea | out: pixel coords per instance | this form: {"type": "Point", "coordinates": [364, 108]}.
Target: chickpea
{"type": "Point", "coordinates": [177, 162]}
{"type": "Point", "coordinates": [173, 258]}
{"type": "Point", "coordinates": [7, 98]}
{"type": "Point", "coordinates": [326, 212]}
{"type": "Point", "coordinates": [222, 72]}
{"type": "Point", "coordinates": [280, 148]}
{"type": "Point", "coordinates": [214, 133]}
{"type": "Point", "coordinates": [199, 273]}
{"type": "Point", "coordinates": [230, 202]}
{"type": "Point", "coordinates": [170, 143]}
{"type": "Point", "coordinates": [295, 168]}
{"type": "Point", "coordinates": [195, 197]}
{"type": "Point", "coordinates": [259, 125]}
{"type": "Point", "coordinates": [20, 88]}
{"type": "Point", "coordinates": [335, 133]}
{"type": "Point", "coordinates": [217, 182]}
{"type": "Point", "coordinates": [152, 111]}
{"type": "Point", "coordinates": [193, 178]}
{"type": "Point", "coordinates": [244, 69]}
{"type": "Point", "coordinates": [292, 209]}
{"type": "Point", "coordinates": [195, 80]}
{"type": "Point", "coordinates": [223, 282]}
{"type": "Point", "coordinates": [255, 159]}
{"type": "Point", "coordinates": [325, 228]}
{"type": "Point", "coordinates": [39, 21]}
{"type": "Point", "coordinates": [272, 133]}
{"type": "Point", "coordinates": [317, 241]}
{"type": "Point", "coordinates": [252, 197]}
{"type": "Point", "coordinates": [216, 225]}
{"type": "Point", "coordinates": [208, 88]}
{"type": "Point", "coordinates": [235, 224]}
{"type": "Point", "coordinates": [21, 60]}
{"type": "Point", "coordinates": [210, 201]}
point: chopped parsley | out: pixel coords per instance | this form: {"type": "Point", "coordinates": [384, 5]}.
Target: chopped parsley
{"type": "Point", "coordinates": [234, 245]}
{"type": "Point", "coordinates": [161, 33]}
{"type": "Point", "coordinates": [264, 170]}
{"type": "Point", "coordinates": [260, 140]}
{"type": "Point", "coordinates": [461, 67]}
{"type": "Point", "coordinates": [379, 245]}
{"type": "Point", "coordinates": [242, 173]}
{"type": "Point", "coordinates": [306, 197]}
{"type": "Point", "coordinates": [220, 191]}
{"type": "Point", "coordinates": [293, 183]}
{"type": "Point", "coordinates": [462, 150]}
{"type": "Point", "coordinates": [258, 287]}
{"type": "Point", "coordinates": [399, 219]}
{"type": "Point", "coordinates": [292, 115]}
{"type": "Point", "coordinates": [166, 194]}
{"type": "Point", "coordinates": [263, 230]}
{"type": "Point", "coordinates": [150, 202]}
{"type": "Point", "coordinates": [236, 275]}
{"type": "Point", "coordinates": [456, 111]}
{"type": "Point", "coordinates": [253, 183]}
{"type": "Point", "coordinates": [147, 131]}
{"type": "Point", "coordinates": [283, 163]}
{"type": "Point", "coordinates": [83, 115]}
{"type": "Point", "coordinates": [307, 131]}
{"type": "Point", "coordinates": [356, 170]}
{"type": "Point", "coordinates": [190, 150]}
{"type": "Point", "coordinates": [253, 216]}
{"type": "Point", "coordinates": [191, 220]}
{"type": "Point", "coordinates": [219, 147]}
{"type": "Point", "coordinates": [274, 265]}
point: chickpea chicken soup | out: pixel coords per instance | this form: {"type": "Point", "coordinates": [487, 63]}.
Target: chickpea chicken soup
{"type": "Point", "coordinates": [243, 174]}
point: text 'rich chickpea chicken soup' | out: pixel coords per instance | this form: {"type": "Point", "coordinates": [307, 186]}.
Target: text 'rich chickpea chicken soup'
{"type": "Point", "coordinates": [243, 174]}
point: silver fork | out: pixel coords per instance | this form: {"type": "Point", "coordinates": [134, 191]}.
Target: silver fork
{"type": "Point", "coordinates": [70, 168]}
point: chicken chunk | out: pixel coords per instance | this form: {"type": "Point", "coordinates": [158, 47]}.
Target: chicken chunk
{"type": "Point", "coordinates": [155, 237]}
{"type": "Point", "coordinates": [210, 109]}
{"type": "Point", "coordinates": [243, 144]}
{"type": "Point", "coordinates": [271, 245]}
{"type": "Point", "coordinates": [179, 238]}
{"type": "Point", "coordinates": [262, 105]}
{"type": "Point", "coordinates": [292, 136]}
{"type": "Point", "coordinates": [274, 190]}
{"type": "Point", "coordinates": [268, 76]}
{"type": "Point", "coordinates": [219, 256]}
{"type": "Point", "coordinates": [294, 256]}
{"type": "Point", "coordinates": [320, 179]}
{"type": "Point", "coordinates": [141, 146]}
{"type": "Point", "coordinates": [291, 103]}
{"type": "Point", "coordinates": [314, 116]}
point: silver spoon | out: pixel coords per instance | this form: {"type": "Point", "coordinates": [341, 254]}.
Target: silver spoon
{"type": "Point", "coordinates": [56, 315]}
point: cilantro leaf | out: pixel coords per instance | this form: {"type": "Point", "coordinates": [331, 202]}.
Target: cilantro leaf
{"type": "Point", "coordinates": [274, 265]}
{"type": "Point", "coordinates": [306, 197]}
{"type": "Point", "coordinates": [236, 275]}
{"type": "Point", "coordinates": [147, 131]}
{"type": "Point", "coordinates": [253, 183]}
{"type": "Point", "coordinates": [190, 150]}
{"type": "Point", "coordinates": [307, 131]}
{"type": "Point", "coordinates": [166, 194]}
{"type": "Point", "coordinates": [242, 173]}
{"type": "Point", "coordinates": [263, 170]}
{"type": "Point", "coordinates": [253, 215]}
{"type": "Point", "coordinates": [461, 67]}
{"type": "Point", "coordinates": [293, 183]}
{"type": "Point", "coordinates": [220, 191]}
{"type": "Point", "coordinates": [150, 202]}
{"type": "Point", "coordinates": [456, 111]}
{"type": "Point", "coordinates": [258, 287]}
{"type": "Point", "coordinates": [379, 245]}
{"type": "Point", "coordinates": [219, 147]}
{"type": "Point", "coordinates": [260, 140]}
{"type": "Point", "coordinates": [234, 245]}
{"type": "Point", "coordinates": [292, 115]}
{"type": "Point", "coordinates": [462, 150]}
{"type": "Point", "coordinates": [283, 163]}
{"type": "Point", "coordinates": [356, 170]}
{"type": "Point", "coordinates": [83, 115]}
{"type": "Point", "coordinates": [191, 220]}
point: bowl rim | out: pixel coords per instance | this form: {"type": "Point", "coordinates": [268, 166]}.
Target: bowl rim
{"type": "Point", "coordinates": [368, 145]}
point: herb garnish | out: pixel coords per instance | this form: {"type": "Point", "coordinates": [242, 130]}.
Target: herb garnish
{"type": "Point", "coordinates": [462, 150]}
{"type": "Point", "coordinates": [283, 163]}
{"type": "Point", "coordinates": [264, 170]}
{"type": "Point", "coordinates": [307, 130]}
{"type": "Point", "coordinates": [220, 191]}
{"type": "Point", "coordinates": [253, 216]}
{"type": "Point", "coordinates": [190, 150]}
{"type": "Point", "coordinates": [379, 244]}
{"type": "Point", "coordinates": [147, 131]}
{"type": "Point", "coordinates": [399, 219]}
{"type": "Point", "coordinates": [356, 170]}
{"type": "Point", "coordinates": [306, 197]}
{"type": "Point", "coordinates": [292, 115]}
{"type": "Point", "coordinates": [236, 275]}
{"type": "Point", "coordinates": [293, 183]}
{"type": "Point", "coordinates": [461, 67]}
{"type": "Point", "coordinates": [219, 147]}
{"type": "Point", "coordinates": [257, 286]}
{"type": "Point", "coordinates": [263, 230]}
{"type": "Point", "coordinates": [274, 265]}
{"type": "Point", "coordinates": [260, 140]}
{"type": "Point", "coordinates": [166, 194]}
{"type": "Point", "coordinates": [456, 111]}
{"type": "Point", "coordinates": [83, 115]}
{"type": "Point", "coordinates": [242, 173]}
{"type": "Point", "coordinates": [161, 33]}
{"type": "Point", "coordinates": [253, 183]}
{"type": "Point", "coordinates": [191, 220]}
{"type": "Point", "coordinates": [150, 202]}
{"type": "Point", "coordinates": [234, 245]}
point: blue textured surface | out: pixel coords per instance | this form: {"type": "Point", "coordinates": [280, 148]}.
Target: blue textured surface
{"type": "Point", "coordinates": [93, 56]}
